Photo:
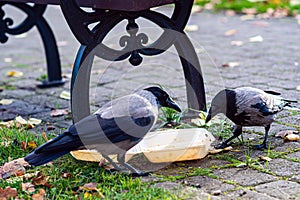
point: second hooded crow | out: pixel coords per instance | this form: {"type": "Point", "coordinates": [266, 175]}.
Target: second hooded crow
{"type": "Point", "coordinates": [113, 129]}
{"type": "Point", "coordinates": [248, 106]}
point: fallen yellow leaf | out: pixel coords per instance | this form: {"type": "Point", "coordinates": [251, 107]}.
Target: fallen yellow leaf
{"type": "Point", "coordinates": [87, 195]}
{"type": "Point", "coordinates": [32, 145]}
{"type": "Point", "coordinates": [14, 74]}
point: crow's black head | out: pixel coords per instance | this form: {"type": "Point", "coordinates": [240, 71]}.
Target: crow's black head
{"type": "Point", "coordinates": [223, 102]}
{"type": "Point", "coordinates": [163, 98]}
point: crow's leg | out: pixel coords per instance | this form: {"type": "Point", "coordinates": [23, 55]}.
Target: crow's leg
{"type": "Point", "coordinates": [236, 132]}
{"type": "Point", "coordinates": [264, 144]}
{"type": "Point", "coordinates": [134, 171]}
{"type": "Point", "coordinates": [119, 168]}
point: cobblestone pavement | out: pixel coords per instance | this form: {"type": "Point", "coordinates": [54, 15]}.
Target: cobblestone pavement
{"type": "Point", "coordinates": [271, 64]}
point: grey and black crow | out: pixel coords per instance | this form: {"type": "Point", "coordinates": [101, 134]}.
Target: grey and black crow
{"type": "Point", "coordinates": [248, 106]}
{"type": "Point", "coordinates": [113, 129]}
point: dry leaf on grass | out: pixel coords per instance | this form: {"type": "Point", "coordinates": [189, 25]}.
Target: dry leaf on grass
{"type": "Point", "coordinates": [21, 120]}
{"type": "Point", "coordinates": [45, 136]}
{"type": "Point", "coordinates": [66, 175]}
{"type": "Point", "coordinates": [58, 112]}
{"type": "Point", "coordinates": [41, 179]}
{"type": "Point", "coordinates": [14, 167]}
{"type": "Point", "coordinates": [8, 193]}
{"type": "Point", "coordinates": [28, 187]}
{"type": "Point", "coordinates": [89, 186]}
{"type": "Point", "coordinates": [40, 196]}
{"type": "Point", "coordinates": [32, 145]}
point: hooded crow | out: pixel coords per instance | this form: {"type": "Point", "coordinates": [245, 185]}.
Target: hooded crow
{"type": "Point", "coordinates": [113, 129]}
{"type": "Point", "coordinates": [248, 106]}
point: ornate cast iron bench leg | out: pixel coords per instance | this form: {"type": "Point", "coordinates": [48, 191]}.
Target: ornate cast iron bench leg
{"type": "Point", "coordinates": [35, 18]}
{"type": "Point", "coordinates": [133, 46]}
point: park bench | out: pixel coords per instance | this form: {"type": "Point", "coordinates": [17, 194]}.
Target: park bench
{"type": "Point", "coordinates": [109, 13]}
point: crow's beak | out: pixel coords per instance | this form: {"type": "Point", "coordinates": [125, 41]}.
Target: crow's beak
{"type": "Point", "coordinates": [208, 117]}
{"type": "Point", "coordinates": [172, 104]}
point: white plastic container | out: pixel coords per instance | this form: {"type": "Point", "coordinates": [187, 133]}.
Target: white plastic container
{"type": "Point", "coordinates": [164, 146]}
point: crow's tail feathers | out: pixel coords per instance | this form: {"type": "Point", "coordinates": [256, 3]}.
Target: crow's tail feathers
{"type": "Point", "coordinates": [35, 159]}
{"type": "Point", "coordinates": [54, 149]}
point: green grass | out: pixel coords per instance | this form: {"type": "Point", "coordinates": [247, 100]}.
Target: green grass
{"type": "Point", "coordinates": [110, 185]}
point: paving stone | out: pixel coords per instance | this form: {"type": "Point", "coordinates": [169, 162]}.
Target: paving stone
{"type": "Point", "coordinates": [248, 194]}
{"type": "Point", "coordinates": [280, 189]}
{"type": "Point", "coordinates": [283, 167]}
{"type": "Point", "coordinates": [20, 108]}
{"type": "Point", "coordinates": [168, 185]}
{"type": "Point", "coordinates": [287, 147]}
{"type": "Point", "coordinates": [208, 185]}
{"type": "Point", "coordinates": [16, 94]}
{"type": "Point", "coordinates": [244, 176]}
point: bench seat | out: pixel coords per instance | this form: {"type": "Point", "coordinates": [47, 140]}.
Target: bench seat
{"type": "Point", "coordinates": [125, 5]}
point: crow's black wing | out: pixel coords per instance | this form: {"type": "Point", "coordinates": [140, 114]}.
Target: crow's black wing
{"type": "Point", "coordinates": [90, 131]}
{"type": "Point", "coordinates": [98, 130]}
